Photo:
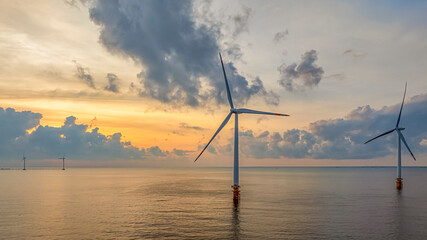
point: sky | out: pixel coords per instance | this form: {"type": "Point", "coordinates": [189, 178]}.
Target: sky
{"type": "Point", "coordinates": [139, 83]}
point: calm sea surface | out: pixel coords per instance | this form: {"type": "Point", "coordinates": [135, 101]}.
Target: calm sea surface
{"type": "Point", "coordinates": [276, 203]}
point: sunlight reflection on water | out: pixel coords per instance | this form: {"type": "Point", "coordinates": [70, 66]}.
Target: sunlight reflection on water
{"type": "Point", "coordinates": [276, 203]}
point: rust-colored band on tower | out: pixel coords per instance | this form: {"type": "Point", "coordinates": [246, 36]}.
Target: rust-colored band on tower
{"type": "Point", "coordinates": [399, 183]}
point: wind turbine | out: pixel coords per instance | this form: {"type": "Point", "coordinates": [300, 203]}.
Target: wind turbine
{"type": "Point", "coordinates": [63, 162]}
{"type": "Point", "coordinates": [398, 129]}
{"type": "Point", "coordinates": [236, 112]}
{"type": "Point", "coordinates": [24, 158]}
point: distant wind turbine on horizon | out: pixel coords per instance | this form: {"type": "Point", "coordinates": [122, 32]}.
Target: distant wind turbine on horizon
{"type": "Point", "coordinates": [398, 129]}
{"type": "Point", "coordinates": [63, 162]}
{"type": "Point", "coordinates": [24, 158]}
{"type": "Point", "coordinates": [234, 111]}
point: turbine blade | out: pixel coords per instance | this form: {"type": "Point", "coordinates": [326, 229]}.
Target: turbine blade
{"type": "Point", "coordinates": [404, 141]}
{"type": "Point", "coordinates": [244, 110]}
{"type": "Point", "coordinates": [401, 107]}
{"type": "Point", "coordinates": [216, 133]}
{"type": "Point", "coordinates": [226, 84]}
{"type": "Point", "coordinates": [380, 135]}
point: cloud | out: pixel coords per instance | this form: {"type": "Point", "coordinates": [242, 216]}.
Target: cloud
{"type": "Point", "coordinates": [21, 131]}
{"type": "Point", "coordinates": [280, 36]}
{"type": "Point", "coordinates": [156, 151]}
{"type": "Point", "coordinates": [180, 152]}
{"type": "Point", "coordinates": [227, 29]}
{"type": "Point", "coordinates": [15, 124]}
{"type": "Point", "coordinates": [344, 138]}
{"type": "Point", "coordinates": [83, 74]}
{"type": "Point", "coordinates": [241, 91]}
{"type": "Point", "coordinates": [241, 21]}
{"type": "Point", "coordinates": [260, 119]}
{"type": "Point", "coordinates": [72, 3]}
{"type": "Point", "coordinates": [337, 76]}
{"type": "Point", "coordinates": [187, 126]}
{"type": "Point", "coordinates": [112, 83]}
{"type": "Point", "coordinates": [264, 134]}
{"type": "Point", "coordinates": [233, 50]}
{"type": "Point", "coordinates": [179, 54]}
{"type": "Point", "coordinates": [302, 75]}
{"type": "Point", "coordinates": [211, 149]}
{"type": "Point", "coordinates": [93, 122]}
{"type": "Point", "coordinates": [354, 54]}
{"type": "Point", "coordinates": [76, 3]}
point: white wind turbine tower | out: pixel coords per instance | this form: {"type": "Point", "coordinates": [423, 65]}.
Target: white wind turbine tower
{"type": "Point", "coordinates": [398, 129]}
{"type": "Point", "coordinates": [236, 112]}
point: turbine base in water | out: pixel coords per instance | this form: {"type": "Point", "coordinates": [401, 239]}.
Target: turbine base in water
{"type": "Point", "coordinates": [399, 183]}
{"type": "Point", "coordinates": [236, 193]}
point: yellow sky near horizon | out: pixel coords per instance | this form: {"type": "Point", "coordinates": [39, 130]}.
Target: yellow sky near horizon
{"type": "Point", "coordinates": [142, 126]}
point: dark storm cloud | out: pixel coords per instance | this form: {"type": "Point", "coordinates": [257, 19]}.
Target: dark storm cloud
{"type": "Point", "coordinates": [112, 83]}
{"type": "Point", "coordinates": [74, 140]}
{"type": "Point", "coordinates": [344, 138]}
{"type": "Point", "coordinates": [83, 74]}
{"type": "Point", "coordinates": [178, 55]}
{"type": "Point", "coordinates": [304, 74]}
{"type": "Point", "coordinates": [280, 36]}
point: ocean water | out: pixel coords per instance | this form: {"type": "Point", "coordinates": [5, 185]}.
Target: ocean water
{"type": "Point", "coordinates": [276, 203]}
